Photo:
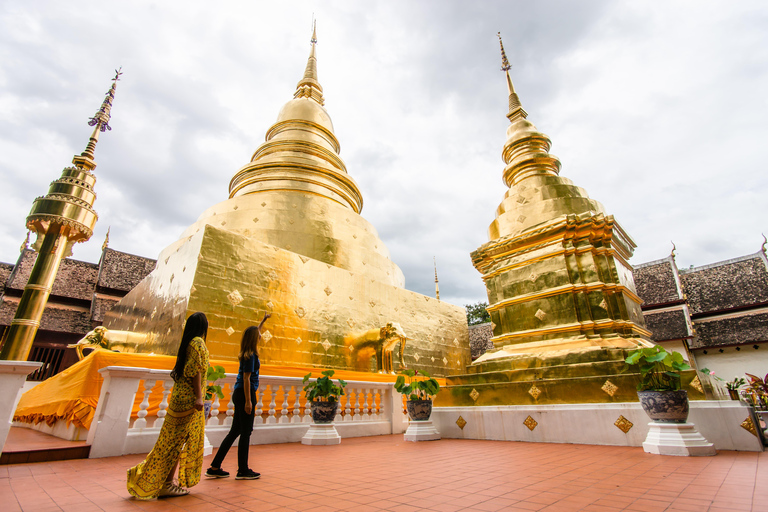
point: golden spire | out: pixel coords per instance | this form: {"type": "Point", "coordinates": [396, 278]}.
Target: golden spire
{"type": "Point", "coordinates": [106, 240]}
{"type": "Point", "coordinates": [100, 122]}
{"type": "Point", "coordinates": [309, 87]}
{"type": "Point", "coordinates": [515, 107]}
{"type": "Point", "coordinates": [437, 287]}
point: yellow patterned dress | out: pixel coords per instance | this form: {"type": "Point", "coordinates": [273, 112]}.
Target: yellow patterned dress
{"type": "Point", "coordinates": [181, 437]}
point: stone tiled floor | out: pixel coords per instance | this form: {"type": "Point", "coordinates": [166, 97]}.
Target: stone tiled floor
{"type": "Point", "coordinates": [386, 473]}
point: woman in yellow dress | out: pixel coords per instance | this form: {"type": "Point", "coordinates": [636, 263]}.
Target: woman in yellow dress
{"type": "Point", "coordinates": [182, 435]}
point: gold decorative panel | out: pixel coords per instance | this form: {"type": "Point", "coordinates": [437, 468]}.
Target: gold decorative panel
{"type": "Point", "coordinates": [461, 422]}
{"type": "Point", "coordinates": [235, 298]}
{"type": "Point", "coordinates": [749, 426]}
{"type": "Point", "coordinates": [610, 388]}
{"type": "Point", "coordinates": [623, 424]}
{"type": "Point", "coordinates": [696, 384]}
{"type": "Point", "coordinates": [530, 423]}
{"type": "Point", "coordinates": [534, 392]}
{"type": "Point", "coordinates": [474, 394]}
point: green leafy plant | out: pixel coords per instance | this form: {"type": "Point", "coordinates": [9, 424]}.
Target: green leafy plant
{"type": "Point", "coordinates": [214, 373]}
{"type": "Point", "coordinates": [736, 383]}
{"type": "Point", "coordinates": [323, 389]}
{"type": "Point", "coordinates": [421, 385]}
{"type": "Point", "coordinates": [660, 370]}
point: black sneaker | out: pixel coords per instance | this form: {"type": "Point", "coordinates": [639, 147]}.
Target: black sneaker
{"type": "Point", "coordinates": [247, 475]}
{"type": "Point", "coordinates": [216, 473]}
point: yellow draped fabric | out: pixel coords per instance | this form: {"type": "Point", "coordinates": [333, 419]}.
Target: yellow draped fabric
{"type": "Point", "coordinates": [73, 394]}
{"type": "Point", "coordinates": [182, 436]}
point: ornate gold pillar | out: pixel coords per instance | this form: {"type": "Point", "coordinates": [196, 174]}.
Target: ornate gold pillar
{"type": "Point", "coordinates": [60, 219]}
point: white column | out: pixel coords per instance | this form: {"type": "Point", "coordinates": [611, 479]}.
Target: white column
{"type": "Point", "coordinates": [12, 377]}
{"type": "Point", "coordinates": [113, 414]}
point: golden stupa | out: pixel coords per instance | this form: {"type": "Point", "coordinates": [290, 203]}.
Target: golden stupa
{"type": "Point", "coordinates": [290, 241]}
{"type": "Point", "coordinates": [561, 295]}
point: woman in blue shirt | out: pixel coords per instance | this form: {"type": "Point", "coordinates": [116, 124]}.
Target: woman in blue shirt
{"type": "Point", "coordinates": [242, 422]}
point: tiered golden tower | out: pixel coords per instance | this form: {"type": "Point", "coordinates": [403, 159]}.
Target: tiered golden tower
{"type": "Point", "coordinates": [62, 218]}
{"type": "Point", "coordinates": [290, 241]}
{"type": "Point", "coordinates": [561, 295]}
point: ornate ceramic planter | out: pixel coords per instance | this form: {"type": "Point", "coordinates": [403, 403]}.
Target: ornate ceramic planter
{"type": "Point", "coordinates": [419, 410]}
{"type": "Point", "coordinates": [665, 406]}
{"type": "Point", "coordinates": [324, 412]}
{"type": "Point", "coordinates": [207, 409]}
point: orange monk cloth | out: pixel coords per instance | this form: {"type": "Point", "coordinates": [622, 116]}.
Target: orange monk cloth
{"type": "Point", "coordinates": [72, 395]}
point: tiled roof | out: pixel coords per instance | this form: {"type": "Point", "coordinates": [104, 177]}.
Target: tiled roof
{"type": "Point", "coordinates": [655, 282]}
{"type": "Point", "coordinates": [667, 325]}
{"type": "Point", "coordinates": [56, 317]}
{"type": "Point", "coordinates": [726, 285]}
{"type": "Point", "coordinates": [5, 273]}
{"type": "Point", "coordinates": [731, 330]}
{"type": "Point", "coordinates": [122, 271]}
{"type": "Point", "coordinates": [75, 279]}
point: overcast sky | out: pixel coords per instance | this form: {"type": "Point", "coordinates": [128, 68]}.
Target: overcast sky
{"type": "Point", "coordinates": [657, 109]}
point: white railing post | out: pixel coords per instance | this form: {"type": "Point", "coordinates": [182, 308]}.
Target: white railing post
{"type": "Point", "coordinates": [12, 377]}
{"type": "Point", "coordinates": [230, 404]}
{"type": "Point", "coordinates": [113, 413]}
{"type": "Point", "coordinates": [392, 409]}
{"type": "Point", "coordinates": [141, 422]}
{"type": "Point", "coordinates": [284, 406]}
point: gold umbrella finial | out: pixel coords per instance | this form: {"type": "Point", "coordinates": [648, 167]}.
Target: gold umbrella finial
{"type": "Point", "coordinates": [100, 122]}
{"type": "Point", "coordinates": [309, 87]}
{"type": "Point", "coordinates": [516, 110]}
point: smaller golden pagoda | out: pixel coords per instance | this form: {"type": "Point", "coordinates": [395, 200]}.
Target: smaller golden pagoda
{"type": "Point", "coordinates": [561, 295]}
{"type": "Point", "coordinates": [60, 219]}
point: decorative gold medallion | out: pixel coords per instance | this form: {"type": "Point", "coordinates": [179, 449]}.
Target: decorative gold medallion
{"type": "Point", "coordinates": [534, 392]}
{"type": "Point", "coordinates": [610, 388]}
{"type": "Point", "coordinates": [300, 312]}
{"type": "Point", "coordinates": [302, 284]}
{"type": "Point", "coordinates": [461, 422]}
{"type": "Point", "coordinates": [749, 426]}
{"type": "Point", "coordinates": [696, 384]}
{"type": "Point", "coordinates": [433, 359]}
{"type": "Point", "coordinates": [416, 357]}
{"type": "Point", "coordinates": [623, 424]}
{"type": "Point", "coordinates": [240, 266]}
{"type": "Point", "coordinates": [328, 290]}
{"type": "Point", "coordinates": [298, 340]}
{"type": "Point", "coordinates": [521, 218]}
{"type": "Point", "coordinates": [326, 345]}
{"type": "Point", "coordinates": [266, 336]}
{"type": "Point", "coordinates": [540, 315]}
{"type": "Point", "coordinates": [351, 348]}
{"type": "Point", "coordinates": [445, 360]}
{"type": "Point", "coordinates": [255, 219]}
{"type": "Point", "coordinates": [530, 423]}
{"type": "Point", "coordinates": [474, 394]}
{"type": "Point", "coordinates": [272, 275]}
{"type": "Point", "coordinates": [270, 305]}
{"type": "Point", "coordinates": [230, 331]}
{"type": "Point", "coordinates": [603, 305]}
{"type": "Point", "coordinates": [235, 298]}
{"type": "Point", "coordinates": [455, 340]}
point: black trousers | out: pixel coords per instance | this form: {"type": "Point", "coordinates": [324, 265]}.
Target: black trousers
{"type": "Point", "coordinates": [242, 426]}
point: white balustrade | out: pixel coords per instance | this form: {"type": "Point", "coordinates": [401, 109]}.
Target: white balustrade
{"type": "Point", "coordinates": [377, 410]}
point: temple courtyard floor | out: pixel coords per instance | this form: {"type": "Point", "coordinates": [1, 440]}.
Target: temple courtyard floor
{"type": "Point", "coordinates": [387, 473]}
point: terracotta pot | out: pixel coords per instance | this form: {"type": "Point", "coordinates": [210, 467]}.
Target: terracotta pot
{"type": "Point", "coordinates": [419, 410]}
{"type": "Point", "coordinates": [324, 412]}
{"type": "Point", "coordinates": [734, 394]}
{"type": "Point", "coordinates": [665, 406]}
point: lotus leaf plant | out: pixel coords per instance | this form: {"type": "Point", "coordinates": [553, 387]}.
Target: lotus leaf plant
{"type": "Point", "coordinates": [323, 389]}
{"type": "Point", "coordinates": [421, 385]}
{"type": "Point", "coordinates": [214, 373]}
{"type": "Point", "coordinates": [659, 369]}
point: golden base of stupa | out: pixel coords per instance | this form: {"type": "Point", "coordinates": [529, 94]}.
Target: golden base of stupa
{"type": "Point", "coordinates": [587, 375]}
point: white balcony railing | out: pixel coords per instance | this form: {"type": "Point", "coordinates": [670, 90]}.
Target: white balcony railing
{"type": "Point", "coordinates": [281, 409]}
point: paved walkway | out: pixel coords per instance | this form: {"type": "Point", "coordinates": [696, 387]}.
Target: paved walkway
{"type": "Point", "coordinates": [386, 473]}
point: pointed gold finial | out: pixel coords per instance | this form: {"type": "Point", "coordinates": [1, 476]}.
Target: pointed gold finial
{"type": "Point", "coordinates": [100, 122]}
{"type": "Point", "coordinates": [437, 287]}
{"type": "Point", "coordinates": [672, 254]}
{"type": "Point", "coordinates": [309, 87]}
{"type": "Point", "coordinates": [25, 244]}
{"type": "Point", "coordinates": [106, 240]}
{"type": "Point", "coordinates": [516, 110]}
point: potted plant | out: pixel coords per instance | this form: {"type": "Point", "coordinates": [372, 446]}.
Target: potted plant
{"type": "Point", "coordinates": [659, 389]}
{"type": "Point", "coordinates": [420, 389]}
{"type": "Point", "coordinates": [733, 387]}
{"type": "Point", "coordinates": [323, 395]}
{"type": "Point", "coordinates": [759, 390]}
{"type": "Point", "coordinates": [214, 373]}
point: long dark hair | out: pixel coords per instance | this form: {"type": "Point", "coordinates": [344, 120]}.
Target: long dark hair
{"type": "Point", "coordinates": [196, 326]}
{"type": "Point", "coordinates": [249, 345]}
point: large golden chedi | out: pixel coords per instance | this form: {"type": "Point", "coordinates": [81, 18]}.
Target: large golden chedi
{"type": "Point", "coordinates": [290, 241]}
{"type": "Point", "coordinates": [561, 295]}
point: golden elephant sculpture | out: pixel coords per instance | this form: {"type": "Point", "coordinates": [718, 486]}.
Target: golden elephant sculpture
{"type": "Point", "coordinates": [97, 338]}
{"type": "Point", "coordinates": [379, 342]}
